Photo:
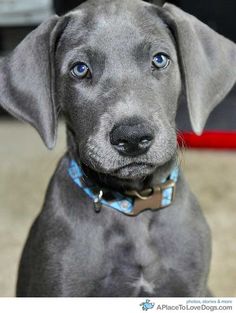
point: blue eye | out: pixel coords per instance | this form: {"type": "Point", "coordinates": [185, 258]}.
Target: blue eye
{"type": "Point", "coordinates": [80, 70]}
{"type": "Point", "coordinates": [161, 61]}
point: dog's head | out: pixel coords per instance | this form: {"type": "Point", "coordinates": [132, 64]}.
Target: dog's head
{"type": "Point", "coordinates": [117, 70]}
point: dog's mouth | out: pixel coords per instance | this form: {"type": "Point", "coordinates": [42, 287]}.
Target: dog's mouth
{"type": "Point", "coordinates": [130, 171]}
{"type": "Point", "coordinates": [134, 170]}
{"type": "Point", "coordinates": [126, 171]}
{"type": "Point", "coordinates": [129, 176]}
{"type": "Point", "coordinates": [135, 175]}
{"type": "Point", "coordinates": [118, 172]}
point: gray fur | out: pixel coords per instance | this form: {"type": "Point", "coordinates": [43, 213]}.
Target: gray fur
{"type": "Point", "coordinates": [71, 250]}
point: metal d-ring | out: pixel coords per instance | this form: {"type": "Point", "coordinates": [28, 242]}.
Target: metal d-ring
{"type": "Point", "coordinates": [143, 195]}
{"type": "Point", "coordinates": [97, 202]}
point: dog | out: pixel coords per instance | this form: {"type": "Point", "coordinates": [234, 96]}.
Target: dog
{"type": "Point", "coordinates": [119, 218]}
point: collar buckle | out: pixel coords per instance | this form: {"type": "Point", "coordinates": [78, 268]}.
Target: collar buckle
{"type": "Point", "coordinates": [136, 201]}
{"type": "Point", "coordinates": [143, 195]}
{"type": "Point", "coordinates": [154, 201]}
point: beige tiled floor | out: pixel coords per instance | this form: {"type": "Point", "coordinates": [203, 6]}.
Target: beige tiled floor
{"type": "Point", "coordinates": [26, 166]}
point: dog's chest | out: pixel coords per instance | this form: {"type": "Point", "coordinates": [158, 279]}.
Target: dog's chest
{"type": "Point", "coordinates": [132, 257]}
{"type": "Point", "coordinates": [133, 260]}
{"type": "Point", "coordinates": [117, 257]}
{"type": "Point", "coordinates": [139, 261]}
{"type": "Point", "coordinates": [126, 261]}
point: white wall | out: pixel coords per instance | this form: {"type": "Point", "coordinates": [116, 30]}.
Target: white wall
{"type": "Point", "coordinates": [24, 12]}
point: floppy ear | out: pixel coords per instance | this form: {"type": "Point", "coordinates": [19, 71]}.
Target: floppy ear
{"type": "Point", "coordinates": [208, 62]}
{"type": "Point", "coordinates": [26, 80]}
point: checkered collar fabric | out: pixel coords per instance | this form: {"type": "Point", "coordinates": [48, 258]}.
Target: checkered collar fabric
{"type": "Point", "coordinates": [118, 201]}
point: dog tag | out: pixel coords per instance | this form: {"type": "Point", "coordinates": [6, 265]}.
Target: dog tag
{"type": "Point", "coordinates": [97, 202]}
{"type": "Point", "coordinates": [97, 206]}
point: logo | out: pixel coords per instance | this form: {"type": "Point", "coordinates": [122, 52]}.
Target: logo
{"type": "Point", "coordinates": [147, 305]}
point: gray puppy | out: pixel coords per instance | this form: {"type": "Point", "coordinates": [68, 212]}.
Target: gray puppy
{"type": "Point", "coordinates": [117, 69]}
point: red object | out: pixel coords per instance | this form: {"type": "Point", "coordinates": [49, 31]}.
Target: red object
{"type": "Point", "coordinates": [208, 140]}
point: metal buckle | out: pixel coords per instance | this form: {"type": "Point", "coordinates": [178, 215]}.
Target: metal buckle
{"type": "Point", "coordinates": [143, 195]}
{"type": "Point", "coordinates": [154, 200]}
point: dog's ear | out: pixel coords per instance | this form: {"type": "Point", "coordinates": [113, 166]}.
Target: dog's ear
{"type": "Point", "coordinates": [208, 63]}
{"type": "Point", "coordinates": [27, 80]}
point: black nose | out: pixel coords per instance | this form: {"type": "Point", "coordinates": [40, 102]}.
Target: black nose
{"type": "Point", "coordinates": [132, 139]}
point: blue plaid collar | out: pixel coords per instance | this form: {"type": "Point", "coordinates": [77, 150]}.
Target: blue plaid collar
{"type": "Point", "coordinates": [132, 204]}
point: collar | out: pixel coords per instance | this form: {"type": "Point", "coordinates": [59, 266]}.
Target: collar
{"type": "Point", "coordinates": [130, 203]}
